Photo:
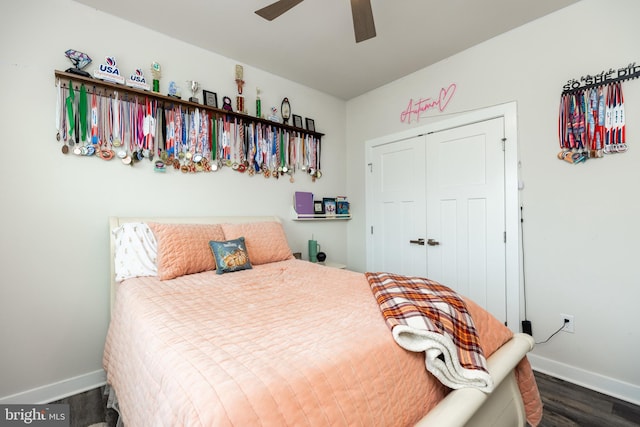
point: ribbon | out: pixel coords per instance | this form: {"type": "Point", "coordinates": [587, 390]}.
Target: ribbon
{"type": "Point", "coordinates": [214, 140]}
{"type": "Point", "coordinates": [94, 118]}
{"type": "Point", "coordinates": [82, 111]}
{"type": "Point", "coordinates": [69, 102]}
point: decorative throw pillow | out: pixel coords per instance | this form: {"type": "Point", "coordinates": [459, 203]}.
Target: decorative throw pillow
{"type": "Point", "coordinates": [135, 251]}
{"type": "Point", "coordinates": [230, 255]}
{"type": "Point", "coordinates": [184, 248]}
{"type": "Point", "coordinates": [266, 241]}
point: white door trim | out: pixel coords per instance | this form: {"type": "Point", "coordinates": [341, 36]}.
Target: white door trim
{"type": "Point", "coordinates": [509, 112]}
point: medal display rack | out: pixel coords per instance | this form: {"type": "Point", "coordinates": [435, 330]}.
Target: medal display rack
{"type": "Point", "coordinates": [280, 163]}
{"type": "Point", "coordinates": [592, 119]}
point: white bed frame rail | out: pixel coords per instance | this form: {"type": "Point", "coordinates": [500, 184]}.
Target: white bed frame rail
{"type": "Point", "coordinates": [501, 408]}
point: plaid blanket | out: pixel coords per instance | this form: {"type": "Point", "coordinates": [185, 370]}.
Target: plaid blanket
{"type": "Point", "coordinates": [424, 315]}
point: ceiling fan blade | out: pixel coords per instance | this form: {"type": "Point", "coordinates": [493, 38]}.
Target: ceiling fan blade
{"type": "Point", "coordinates": [276, 9]}
{"type": "Point", "coordinates": [363, 25]}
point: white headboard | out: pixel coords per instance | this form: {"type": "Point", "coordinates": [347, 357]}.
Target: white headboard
{"type": "Point", "coordinates": [117, 221]}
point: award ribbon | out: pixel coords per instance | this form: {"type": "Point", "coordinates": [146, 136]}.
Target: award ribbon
{"type": "Point", "coordinates": [82, 111]}
{"type": "Point", "coordinates": [94, 118]}
{"type": "Point", "coordinates": [70, 113]}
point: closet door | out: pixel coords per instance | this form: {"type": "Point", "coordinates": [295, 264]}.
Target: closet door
{"type": "Point", "coordinates": [466, 212]}
{"type": "Point", "coordinates": [438, 210]}
{"type": "Point", "coordinates": [398, 216]}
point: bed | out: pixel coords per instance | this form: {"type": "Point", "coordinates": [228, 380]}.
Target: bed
{"type": "Point", "coordinates": [276, 340]}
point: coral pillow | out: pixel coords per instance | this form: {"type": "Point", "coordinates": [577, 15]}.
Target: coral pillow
{"type": "Point", "coordinates": [184, 248]}
{"type": "Point", "coordinates": [266, 241]}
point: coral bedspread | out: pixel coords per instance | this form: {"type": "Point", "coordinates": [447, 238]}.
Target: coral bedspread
{"type": "Point", "coordinates": [285, 343]}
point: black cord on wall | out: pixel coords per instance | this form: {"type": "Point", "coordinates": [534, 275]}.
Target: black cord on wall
{"type": "Point", "coordinates": [526, 324]}
{"type": "Point", "coordinates": [550, 336]}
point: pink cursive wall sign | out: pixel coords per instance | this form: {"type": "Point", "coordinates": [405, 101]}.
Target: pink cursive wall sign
{"type": "Point", "coordinates": [416, 108]}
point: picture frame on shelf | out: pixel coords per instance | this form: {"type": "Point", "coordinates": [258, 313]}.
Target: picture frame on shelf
{"type": "Point", "coordinates": [318, 207]}
{"type": "Point", "coordinates": [210, 98]}
{"type": "Point", "coordinates": [342, 207]}
{"type": "Point", "coordinates": [329, 205]}
{"type": "Point", "coordinates": [297, 121]}
{"type": "Point", "coordinates": [311, 124]}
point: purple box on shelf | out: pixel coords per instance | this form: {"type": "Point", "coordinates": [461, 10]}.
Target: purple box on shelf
{"type": "Point", "coordinates": [303, 202]}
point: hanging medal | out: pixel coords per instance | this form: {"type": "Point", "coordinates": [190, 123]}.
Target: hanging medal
{"type": "Point", "coordinates": [242, 167]}
{"type": "Point", "coordinates": [214, 143]}
{"type": "Point", "coordinates": [178, 136]}
{"type": "Point", "coordinates": [318, 166]}
{"type": "Point", "coordinates": [82, 112]}
{"type": "Point", "coordinates": [608, 121]}
{"type": "Point", "coordinates": [104, 146]}
{"type": "Point", "coordinates": [151, 141]}
{"type": "Point", "coordinates": [619, 121]}
{"type": "Point", "coordinates": [58, 109]}
{"type": "Point", "coordinates": [595, 122]}
{"type": "Point", "coordinates": [275, 151]}
{"type": "Point", "coordinates": [126, 132]}
{"type": "Point", "coordinates": [131, 134]}
{"type": "Point", "coordinates": [170, 132]}
{"type": "Point", "coordinates": [577, 121]}
{"type": "Point", "coordinates": [146, 128]}
{"type": "Point", "coordinates": [64, 120]}
{"type": "Point", "coordinates": [94, 118]}
{"type": "Point", "coordinates": [115, 114]}
{"type": "Point", "coordinates": [70, 104]}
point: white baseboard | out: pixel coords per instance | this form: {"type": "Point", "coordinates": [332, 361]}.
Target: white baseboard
{"type": "Point", "coordinates": [59, 390]}
{"type": "Point", "coordinates": [610, 386]}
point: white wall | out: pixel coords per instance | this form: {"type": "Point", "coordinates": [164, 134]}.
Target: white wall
{"type": "Point", "coordinates": [54, 242]}
{"type": "Point", "coordinates": [581, 223]}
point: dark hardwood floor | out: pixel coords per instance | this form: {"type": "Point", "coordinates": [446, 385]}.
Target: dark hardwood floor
{"type": "Point", "coordinates": [565, 405]}
{"type": "Point", "coordinates": [569, 405]}
{"type": "Point", "coordinates": [89, 408]}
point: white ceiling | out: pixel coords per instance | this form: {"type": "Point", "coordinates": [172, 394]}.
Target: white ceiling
{"type": "Point", "coordinates": [313, 43]}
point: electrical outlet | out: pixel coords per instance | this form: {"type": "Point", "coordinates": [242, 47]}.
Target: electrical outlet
{"type": "Point", "coordinates": [568, 326]}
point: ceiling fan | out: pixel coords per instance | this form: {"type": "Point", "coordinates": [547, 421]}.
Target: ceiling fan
{"type": "Point", "coordinates": [363, 24]}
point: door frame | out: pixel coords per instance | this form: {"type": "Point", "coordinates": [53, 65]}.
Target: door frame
{"type": "Point", "coordinates": [509, 113]}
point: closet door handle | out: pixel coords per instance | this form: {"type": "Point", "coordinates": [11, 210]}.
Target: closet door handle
{"type": "Point", "coordinates": [417, 242]}
{"type": "Point", "coordinates": [432, 242]}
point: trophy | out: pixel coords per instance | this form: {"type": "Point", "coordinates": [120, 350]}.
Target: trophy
{"type": "Point", "coordinates": [79, 61]}
{"type": "Point", "coordinates": [240, 83]}
{"type": "Point", "coordinates": [258, 104]}
{"type": "Point", "coordinates": [155, 72]}
{"type": "Point", "coordinates": [274, 115]}
{"type": "Point", "coordinates": [109, 71]}
{"type": "Point", "coordinates": [174, 90]}
{"type": "Point", "coordinates": [194, 85]}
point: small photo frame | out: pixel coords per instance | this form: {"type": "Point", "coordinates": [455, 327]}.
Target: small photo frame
{"type": "Point", "coordinates": [329, 205]}
{"type": "Point", "coordinates": [318, 207]}
{"type": "Point", "coordinates": [297, 121]}
{"type": "Point", "coordinates": [311, 125]}
{"type": "Point", "coordinates": [210, 98]}
{"type": "Point", "coordinates": [342, 207]}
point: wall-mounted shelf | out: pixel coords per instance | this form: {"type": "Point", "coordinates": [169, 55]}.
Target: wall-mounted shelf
{"type": "Point", "coordinates": [108, 86]}
{"type": "Point", "coordinates": [321, 217]}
